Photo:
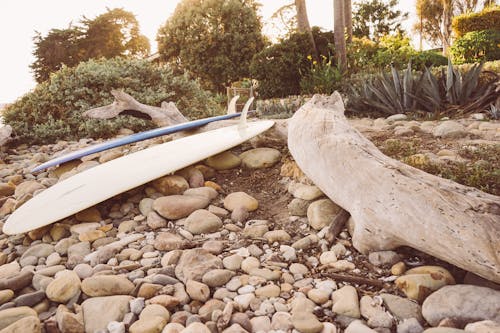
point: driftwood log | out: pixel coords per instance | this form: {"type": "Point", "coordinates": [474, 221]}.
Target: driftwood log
{"type": "Point", "coordinates": [167, 115]}
{"type": "Point", "coordinates": [393, 204]}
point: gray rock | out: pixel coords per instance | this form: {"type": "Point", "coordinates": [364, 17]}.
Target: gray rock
{"type": "Point", "coordinates": [485, 326]}
{"type": "Point", "coordinates": [30, 299]}
{"type": "Point", "coordinates": [39, 251]}
{"type": "Point", "coordinates": [217, 277]}
{"type": "Point", "coordinates": [298, 207]}
{"type": "Point", "coordinates": [357, 326]}
{"type": "Point", "coordinates": [402, 308]}
{"type": "Point", "coordinates": [18, 281]}
{"type": "Point", "coordinates": [410, 326]}
{"type": "Point", "coordinates": [465, 303]}
{"type": "Point", "coordinates": [449, 129]}
{"type": "Point", "coordinates": [384, 258]}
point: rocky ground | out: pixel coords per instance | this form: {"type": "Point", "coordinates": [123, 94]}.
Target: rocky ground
{"type": "Point", "coordinates": [238, 243]}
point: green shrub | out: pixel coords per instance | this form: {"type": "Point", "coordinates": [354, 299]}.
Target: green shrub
{"type": "Point", "coordinates": [322, 78]}
{"type": "Point", "coordinates": [428, 58]}
{"type": "Point", "coordinates": [279, 67]}
{"type": "Point", "coordinates": [476, 46]}
{"type": "Point", "coordinates": [366, 55]}
{"type": "Point", "coordinates": [488, 19]}
{"type": "Point", "coordinates": [360, 54]}
{"type": "Point", "coordinates": [52, 111]}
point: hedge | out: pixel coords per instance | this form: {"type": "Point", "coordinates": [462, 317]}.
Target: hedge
{"type": "Point", "coordinates": [488, 19]}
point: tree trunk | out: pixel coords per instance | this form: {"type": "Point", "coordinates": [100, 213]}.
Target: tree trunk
{"type": "Point", "coordinates": [303, 25]}
{"type": "Point", "coordinates": [393, 204]}
{"type": "Point", "coordinates": [339, 30]}
{"type": "Point", "coordinates": [447, 16]}
{"type": "Point", "coordinates": [167, 115]}
{"type": "Point", "coordinates": [348, 19]}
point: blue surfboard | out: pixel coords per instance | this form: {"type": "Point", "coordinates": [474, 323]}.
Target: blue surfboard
{"type": "Point", "coordinates": [131, 139]}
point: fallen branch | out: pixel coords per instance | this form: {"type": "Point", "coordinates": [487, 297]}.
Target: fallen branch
{"type": "Point", "coordinates": [167, 115]}
{"type": "Point", "coordinates": [393, 204]}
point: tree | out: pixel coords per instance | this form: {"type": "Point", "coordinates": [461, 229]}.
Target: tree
{"type": "Point", "coordinates": [339, 30]}
{"type": "Point", "coordinates": [303, 24]}
{"type": "Point", "coordinates": [375, 18]}
{"type": "Point", "coordinates": [348, 19]}
{"type": "Point", "coordinates": [213, 39]}
{"type": "Point", "coordinates": [58, 48]}
{"type": "Point", "coordinates": [114, 33]}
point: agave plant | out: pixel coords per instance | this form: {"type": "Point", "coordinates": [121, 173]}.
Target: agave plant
{"type": "Point", "coordinates": [465, 92]}
{"type": "Point", "coordinates": [389, 93]}
{"type": "Point", "coordinates": [452, 92]}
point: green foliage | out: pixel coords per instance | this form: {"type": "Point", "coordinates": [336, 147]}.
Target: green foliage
{"type": "Point", "coordinates": [279, 67]}
{"type": "Point", "coordinates": [488, 19]}
{"type": "Point", "coordinates": [213, 39]}
{"type": "Point", "coordinates": [52, 111]}
{"type": "Point", "coordinates": [376, 18]}
{"type": "Point", "coordinates": [363, 54]}
{"type": "Point", "coordinates": [322, 78]}
{"type": "Point", "coordinates": [476, 46]}
{"type": "Point", "coordinates": [360, 54]}
{"type": "Point", "coordinates": [452, 92]}
{"type": "Point", "coordinates": [114, 33]}
{"type": "Point", "coordinates": [58, 48]}
{"type": "Point", "coordinates": [481, 170]}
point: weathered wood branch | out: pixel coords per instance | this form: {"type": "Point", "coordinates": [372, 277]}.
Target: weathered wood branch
{"type": "Point", "coordinates": [391, 203]}
{"type": "Point", "coordinates": [167, 115]}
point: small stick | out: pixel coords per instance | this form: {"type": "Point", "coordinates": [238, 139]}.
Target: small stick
{"type": "Point", "coordinates": [354, 279]}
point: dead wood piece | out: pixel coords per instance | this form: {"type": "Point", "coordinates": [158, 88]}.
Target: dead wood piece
{"type": "Point", "coordinates": [337, 224]}
{"type": "Point", "coordinates": [354, 279]}
{"type": "Point", "coordinates": [393, 204]}
{"type": "Point", "coordinates": [167, 115]}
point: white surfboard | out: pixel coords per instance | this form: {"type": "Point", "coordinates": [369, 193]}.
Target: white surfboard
{"type": "Point", "coordinates": [102, 182]}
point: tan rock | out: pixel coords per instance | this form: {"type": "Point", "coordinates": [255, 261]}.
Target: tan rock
{"type": "Point", "coordinates": [64, 287]}
{"type": "Point", "coordinates": [107, 285]}
{"type": "Point", "coordinates": [321, 213]}
{"type": "Point", "coordinates": [148, 325]}
{"type": "Point", "coordinates": [260, 158]}
{"type": "Point", "coordinates": [223, 161]}
{"type": "Point", "coordinates": [240, 199]}
{"type": "Point", "coordinates": [30, 324]}
{"type": "Point", "coordinates": [91, 214]}
{"type": "Point", "coordinates": [178, 206]}
{"type": "Point", "coordinates": [171, 184]}
{"type": "Point", "coordinates": [9, 316]}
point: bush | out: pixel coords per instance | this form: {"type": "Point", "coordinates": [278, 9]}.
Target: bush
{"type": "Point", "coordinates": [322, 78]}
{"type": "Point", "coordinates": [488, 19]}
{"type": "Point", "coordinates": [360, 54]}
{"type": "Point", "coordinates": [279, 67]}
{"type": "Point", "coordinates": [52, 111]}
{"type": "Point", "coordinates": [366, 55]}
{"type": "Point", "coordinates": [476, 46]}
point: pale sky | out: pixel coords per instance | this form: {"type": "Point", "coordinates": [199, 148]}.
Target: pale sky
{"type": "Point", "coordinates": [19, 19]}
